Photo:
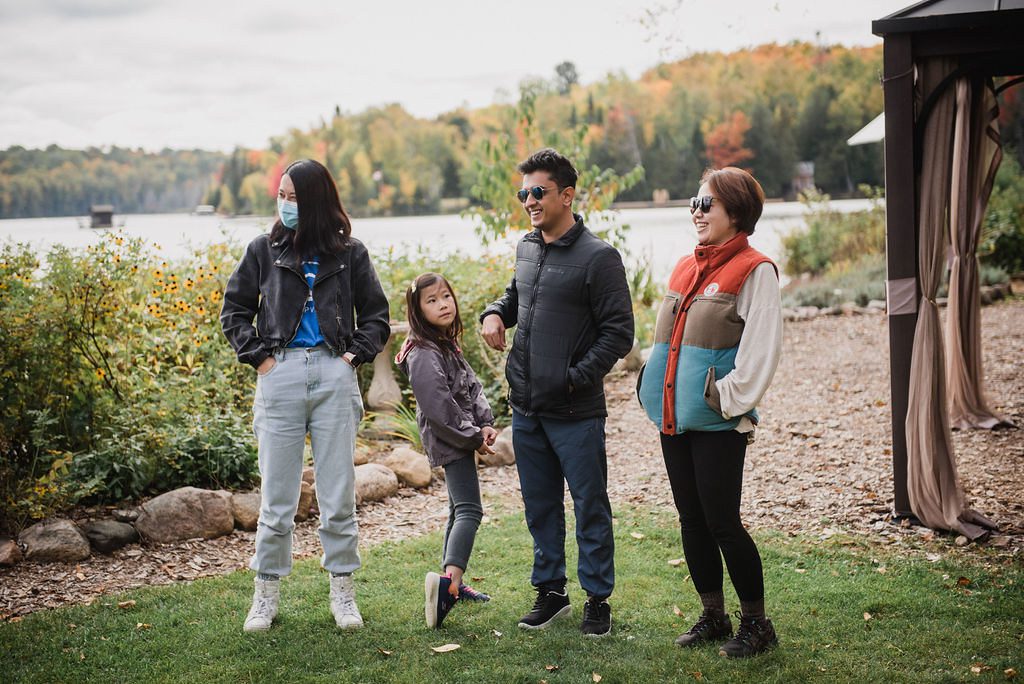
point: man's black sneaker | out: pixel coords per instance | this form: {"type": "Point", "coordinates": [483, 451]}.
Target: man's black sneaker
{"type": "Point", "coordinates": [753, 637]}
{"type": "Point", "coordinates": [597, 618]}
{"type": "Point", "coordinates": [549, 606]}
{"type": "Point", "coordinates": [709, 627]}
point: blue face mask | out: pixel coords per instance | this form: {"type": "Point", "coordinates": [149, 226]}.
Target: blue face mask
{"type": "Point", "coordinates": [289, 213]}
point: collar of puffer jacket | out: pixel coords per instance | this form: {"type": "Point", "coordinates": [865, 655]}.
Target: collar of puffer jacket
{"type": "Point", "coordinates": [570, 236]}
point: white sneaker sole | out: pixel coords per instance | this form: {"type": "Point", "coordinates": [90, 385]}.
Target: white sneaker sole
{"type": "Point", "coordinates": [431, 586]}
{"type": "Point", "coordinates": [566, 610]}
{"type": "Point", "coordinates": [348, 625]}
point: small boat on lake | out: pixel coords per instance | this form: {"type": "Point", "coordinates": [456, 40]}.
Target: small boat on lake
{"type": "Point", "coordinates": [100, 216]}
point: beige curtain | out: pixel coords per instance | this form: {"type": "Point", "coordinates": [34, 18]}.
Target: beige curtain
{"type": "Point", "coordinates": [976, 156]}
{"type": "Point", "coordinates": [932, 484]}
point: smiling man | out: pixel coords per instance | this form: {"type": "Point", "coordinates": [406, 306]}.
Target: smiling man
{"type": "Point", "coordinates": [570, 302]}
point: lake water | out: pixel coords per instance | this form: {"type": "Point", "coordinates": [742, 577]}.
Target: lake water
{"type": "Point", "coordinates": [661, 235]}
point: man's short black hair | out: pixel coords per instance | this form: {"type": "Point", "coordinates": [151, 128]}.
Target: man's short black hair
{"type": "Point", "coordinates": [558, 167]}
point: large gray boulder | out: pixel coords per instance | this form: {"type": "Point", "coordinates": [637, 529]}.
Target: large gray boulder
{"type": "Point", "coordinates": [10, 553]}
{"type": "Point", "coordinates": [107, 536]}
{"type": "Point", "coordinates": [56, 540]}
{"type": "Point", "coordinates": [631, 361]}
{"type": "Point", "coordinates": [410, 466]}
{"type": "Point", "coordinates": [375, 482]}
{"type": "Point", "coordinates": [245, 507]}
{"type": "Point", "coordinates": [503, 452]}
{"type": "Point", "coordinates": [186, 513]}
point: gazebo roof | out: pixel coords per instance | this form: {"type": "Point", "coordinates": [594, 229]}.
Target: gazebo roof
{"type": "Point", "coordinates": [936, 15]}
{"type": "Point", "coordinates": [984, 35]}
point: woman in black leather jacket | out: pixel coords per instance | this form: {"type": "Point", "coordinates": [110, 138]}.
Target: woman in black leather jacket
{"type": "Point", "coordinates": [304, 307]}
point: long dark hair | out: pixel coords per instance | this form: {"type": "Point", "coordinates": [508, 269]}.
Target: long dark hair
{"type": "Point", "coordinates": [420, 330]}
{"type": "Point", "coordinates": [324, 227]}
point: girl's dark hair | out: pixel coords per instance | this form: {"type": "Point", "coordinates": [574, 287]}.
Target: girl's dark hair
{"type": "Point", "coordinates": [420, 330]}
{"type": "Point", "coordinates": [739, 193]}
{"type": "Point", "coordinates": [324, 227]}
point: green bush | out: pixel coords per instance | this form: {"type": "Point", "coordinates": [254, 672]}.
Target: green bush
{"type": "Point", "coordinates": [117, 381]}
{"type": "Point", "coordinates": [858, 282]}
{"type": "Point", "coordinates": [1002, 234]}
{"type": "Point", "coordinates": [832, 239]}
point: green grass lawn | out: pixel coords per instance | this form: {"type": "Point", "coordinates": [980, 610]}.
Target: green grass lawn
{"type": "Point", "coordinates": [845, 610]}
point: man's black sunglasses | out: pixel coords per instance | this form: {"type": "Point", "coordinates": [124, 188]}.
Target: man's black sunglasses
{"type": "Point", "coordinates": [702, 203]}
{"type": "Point", "coordinates": [538, 192]}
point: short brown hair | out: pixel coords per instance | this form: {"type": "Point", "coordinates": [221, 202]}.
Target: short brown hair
{"type": "Point", "coordinates": [740, 194]}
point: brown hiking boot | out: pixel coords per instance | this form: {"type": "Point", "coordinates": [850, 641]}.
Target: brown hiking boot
{"type": "Point", "coordinates": [709, 627]}
{"type": "Point", "coordinates": [753, 637]}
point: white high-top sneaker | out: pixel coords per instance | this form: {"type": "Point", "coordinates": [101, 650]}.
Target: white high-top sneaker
{"type": "Point", "coordinates": [264, 605]}
{"type": "Point", "coordinates": [343, 603]}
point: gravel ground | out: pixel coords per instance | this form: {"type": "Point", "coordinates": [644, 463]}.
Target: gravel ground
{"type": "Point", "coordinates": [820, 466]}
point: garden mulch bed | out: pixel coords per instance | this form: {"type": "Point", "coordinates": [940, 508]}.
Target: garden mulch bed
{"type": "Point", "coordinates": [820, 466]}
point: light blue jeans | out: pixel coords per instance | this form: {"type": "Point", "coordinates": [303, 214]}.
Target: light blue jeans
{"type": "Point", "coordinates": [316, 392]}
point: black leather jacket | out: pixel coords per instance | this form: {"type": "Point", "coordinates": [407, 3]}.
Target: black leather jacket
{"type": "Point", "coordinates": [571, 303]}
{"type": "Point", "coordinates": [269, 286]}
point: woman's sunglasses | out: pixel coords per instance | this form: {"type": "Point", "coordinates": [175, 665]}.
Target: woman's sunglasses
{"type": "Point", "coordinates": [702, 203]}
{"type": "Point", "coordinates": [538, 192]}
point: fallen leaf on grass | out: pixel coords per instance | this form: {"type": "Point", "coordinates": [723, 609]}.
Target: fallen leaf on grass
{"type": "Point", "coordinates": [801, 570]}
{"type": "Point", "coordinates": [867, 616]}
{"type": "Point", "coordinates": [551, 668]}
{"type": "Point", "coordinates": [675, 609]}
{"type": "Point", "coordinates": [962, 581]}
{"type": "Point", "coordinates": [478, 579]}
{"type": "Point", "coordinates": [636, 535]}
{"type": "Point", "coordinates": [496, 633]}
{"type": "Point", "coordinates": [978, 668]}
{"type": "Point", "coordinates": [698, 675]}
{"type": "Point", "coordinates": [1010, 673]}
{"type": "Point", "coordinates": [383, 652]}
{"type": "Point", "coordinates": [126, 604]}
{"type": "Point", "coordinates": [15, 619]}
{"type": "Point", "coordinates": [142, 625]}
{"type": "Point", "coordinates": [676, 562]}
{"type": "Point", "coordinates": [596, 677]}
{"type": "Point", "coordinates": [881, 570]}
{"type": "Point", "coordinates": [445, 649]}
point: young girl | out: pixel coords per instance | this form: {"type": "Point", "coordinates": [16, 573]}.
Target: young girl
{"type": "Point", "coordinates": [454, 420]}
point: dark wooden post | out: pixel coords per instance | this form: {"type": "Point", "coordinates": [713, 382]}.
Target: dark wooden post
{"type": "Point", "coordinates": [903, 287]}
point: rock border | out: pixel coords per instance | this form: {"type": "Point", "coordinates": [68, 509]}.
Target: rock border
{"type": "Point", "coordinates": [989, 295]}
{"type": "Point", "coordinates": [194, 513]}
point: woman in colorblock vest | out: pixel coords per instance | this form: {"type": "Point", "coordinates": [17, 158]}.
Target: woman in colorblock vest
{"type": "Point", "coordinates": [718, 339]}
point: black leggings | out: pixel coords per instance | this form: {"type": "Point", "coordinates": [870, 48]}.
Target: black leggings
{"type": "Point", "coordinates": [705, 470]}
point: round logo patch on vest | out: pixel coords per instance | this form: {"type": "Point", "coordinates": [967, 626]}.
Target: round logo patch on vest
{"type": "Point", "coordinates": [711, 289]}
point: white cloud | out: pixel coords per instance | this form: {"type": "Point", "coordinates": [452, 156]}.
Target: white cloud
{"type": "Point", "coordinates": [192, 73]}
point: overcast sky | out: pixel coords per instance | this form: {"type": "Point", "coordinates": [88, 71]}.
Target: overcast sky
{"type": "Point", "coordinates": [213, 74]}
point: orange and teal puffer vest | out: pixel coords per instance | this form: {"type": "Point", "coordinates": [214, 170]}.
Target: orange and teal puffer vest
{"type": "Point", "coordinates": [697, 330]}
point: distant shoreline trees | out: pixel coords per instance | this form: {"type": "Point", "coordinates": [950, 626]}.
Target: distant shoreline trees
{"type": "Point", "coordinates": [763, 108]}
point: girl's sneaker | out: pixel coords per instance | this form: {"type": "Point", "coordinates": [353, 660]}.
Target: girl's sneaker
{"type": "Point", "coordinates": [438, 601]}
{"type": "Point", "coordinates": [468, 593]}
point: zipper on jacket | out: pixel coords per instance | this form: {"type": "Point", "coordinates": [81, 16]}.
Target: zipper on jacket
{"type": "Point", "coordinates": [277, 262]}
{"type": "Point", "coordinates": [533, 308]}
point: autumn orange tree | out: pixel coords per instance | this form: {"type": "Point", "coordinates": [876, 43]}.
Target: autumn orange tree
{"type": "Point", "coordinates": [725, 142]}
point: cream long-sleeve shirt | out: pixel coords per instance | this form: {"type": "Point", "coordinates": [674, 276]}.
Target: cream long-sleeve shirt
{"type": "Point", "coordinates": [759, 304]}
